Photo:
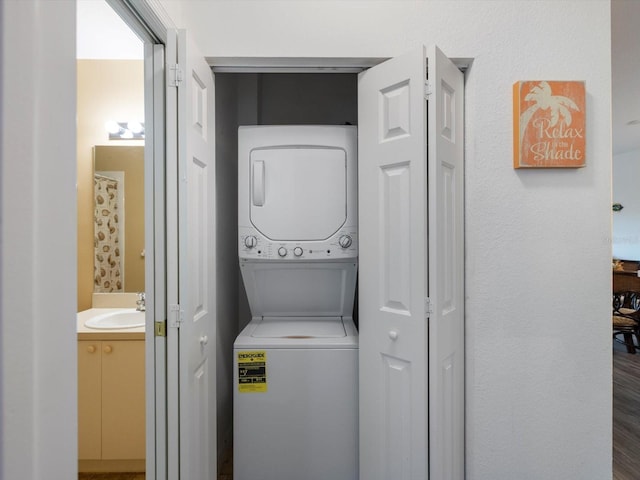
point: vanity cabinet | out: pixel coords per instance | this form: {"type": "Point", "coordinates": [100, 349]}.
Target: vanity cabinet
{"type": "Point", "coordinates": [111, 399]}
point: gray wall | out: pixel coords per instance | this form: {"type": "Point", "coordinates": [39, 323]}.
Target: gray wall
{"type": "Point", "coordinates": [308, 99]}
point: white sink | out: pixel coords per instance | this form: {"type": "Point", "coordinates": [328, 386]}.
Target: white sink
{"type": "Point", "coordinates": [125, 318]}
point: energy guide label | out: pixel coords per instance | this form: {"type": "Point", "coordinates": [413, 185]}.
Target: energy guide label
{"type": "Point", "coordinates": [252, 371]}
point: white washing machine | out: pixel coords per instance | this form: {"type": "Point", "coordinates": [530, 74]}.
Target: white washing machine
{"type": "Point", "coordinates": [296, 363]}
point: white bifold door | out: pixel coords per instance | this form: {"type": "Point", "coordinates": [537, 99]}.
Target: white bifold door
{"type": "Point", "coordinates": [411, 303]}
{"type": "Point", "coordinates": [191, 323]}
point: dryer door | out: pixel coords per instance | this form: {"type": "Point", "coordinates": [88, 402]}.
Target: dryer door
{"type": "Point", "coordinates": [298, 193]}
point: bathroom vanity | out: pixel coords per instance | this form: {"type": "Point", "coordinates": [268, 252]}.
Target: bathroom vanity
{"type": "Point", "coordinates": [111, 396]}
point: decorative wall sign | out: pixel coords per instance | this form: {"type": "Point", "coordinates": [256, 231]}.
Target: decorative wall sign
{"type": "Point", "coordinates": [549, 124]}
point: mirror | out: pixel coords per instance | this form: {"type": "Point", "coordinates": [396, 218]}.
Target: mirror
{"type": "Point", "coordinates": [118, 219]}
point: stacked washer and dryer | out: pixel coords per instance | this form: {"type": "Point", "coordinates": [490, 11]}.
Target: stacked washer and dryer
{"type": "Point", "coordinates": [296, 362]}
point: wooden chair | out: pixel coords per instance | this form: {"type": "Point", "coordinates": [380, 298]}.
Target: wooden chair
{"type": "Point", "coordinates": [626, 318]}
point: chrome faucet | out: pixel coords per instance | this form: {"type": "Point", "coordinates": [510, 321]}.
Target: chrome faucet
{"type": "Point", "coordinates": [140, 305]}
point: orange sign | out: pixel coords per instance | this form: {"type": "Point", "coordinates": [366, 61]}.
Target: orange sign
{"type": "Point", "coordinates": [548, 124]}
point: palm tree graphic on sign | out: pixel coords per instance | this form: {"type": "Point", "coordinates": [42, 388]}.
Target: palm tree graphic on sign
{"type": "Point", "coordinates": [560, 107]}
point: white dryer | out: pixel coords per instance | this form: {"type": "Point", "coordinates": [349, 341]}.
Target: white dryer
{"type": "Point", "coordinates": [296, 363]}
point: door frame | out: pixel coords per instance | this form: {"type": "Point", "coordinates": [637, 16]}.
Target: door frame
{"type": "Point", "coordinates": [152, 30]}
{"type": "Point", "coordinates": [332, 66]}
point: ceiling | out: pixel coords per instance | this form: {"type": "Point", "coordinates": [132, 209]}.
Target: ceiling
{"type": "Point", "coordinates": [102, 34]}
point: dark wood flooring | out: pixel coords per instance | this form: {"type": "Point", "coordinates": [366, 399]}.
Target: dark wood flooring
{"type": "Point", "coordinates": [626, 414]}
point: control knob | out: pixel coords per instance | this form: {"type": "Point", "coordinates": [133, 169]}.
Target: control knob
{"type": "Point", "coordinates": [345, 241]}
{"type": "Point", "coordinates": [282, 252]}
{"type": "Point", "coordinates": [250, 241]}
{"type": "Point", "coordinates": [297, 251]}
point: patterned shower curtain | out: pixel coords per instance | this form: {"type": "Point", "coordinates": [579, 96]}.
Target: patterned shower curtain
{"type": "Point", "coordinates": [106, 268]}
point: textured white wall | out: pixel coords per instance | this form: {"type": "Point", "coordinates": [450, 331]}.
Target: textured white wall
{"type": "Point", "coordinates": [626, 190]}
{"type": "Point", "coordinates": [537, 242]}
{"type": "Point", "coordinates": [38, 349]}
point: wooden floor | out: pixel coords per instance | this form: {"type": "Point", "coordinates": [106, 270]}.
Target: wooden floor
{"type": "Point", "coordinates": [226, 470]}
{"type": "Point", "coordinates": [626, 414]}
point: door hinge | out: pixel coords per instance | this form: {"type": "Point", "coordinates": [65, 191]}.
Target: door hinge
{"type": "Point", "coordinates": [428, 308]}
{"type": "Point", "coordinates": [160, 329]}
{"type": "Point", "coordinates": [175, 75]}
{"type": "Point", "coordinates": [427, 89]}
{"type": "Point", "coordinates": [175, 316]}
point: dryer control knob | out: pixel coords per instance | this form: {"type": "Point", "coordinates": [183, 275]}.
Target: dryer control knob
{"type": "Point", "coordinates": [250, 241]}
{"type": "Point", "coordinates": [282, 252]}
{"type": "Point", "coordinates": [345, 241]}
{"type": "Point", "coordinates": [297, 251]}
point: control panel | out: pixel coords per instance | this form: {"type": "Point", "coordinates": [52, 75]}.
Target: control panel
{"type": "Point", "coordinates": [253, 245]}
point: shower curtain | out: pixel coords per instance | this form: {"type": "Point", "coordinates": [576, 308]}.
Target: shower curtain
{"type": "Point", "coordinates": [107, 262]}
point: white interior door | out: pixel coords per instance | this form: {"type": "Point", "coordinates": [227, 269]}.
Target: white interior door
{"type": "Point", "coordinates": [392, 194]}
{"type": "Point", "coordinates": [192, 323]}
{"type": "Point", "coordinates": [446, 267]}
{"type": "Point", "coordinates": [397, 317]}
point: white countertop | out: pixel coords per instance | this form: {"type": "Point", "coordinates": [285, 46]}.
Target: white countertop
{"type": "Point", "coordinates": [86, 333]}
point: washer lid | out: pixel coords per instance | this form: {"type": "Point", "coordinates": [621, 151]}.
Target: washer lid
{"type": "Point", "coordinates": [300, 327]}
{"type": "Point", "coordinates": [300, 289]}
{"type": "Point", "coordinates": [310, 334]}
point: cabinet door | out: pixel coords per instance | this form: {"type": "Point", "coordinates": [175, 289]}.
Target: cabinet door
{"type": "Point", "coordinates": [89, 400]}
{"type": "Point", "coordinates": [123, 393]}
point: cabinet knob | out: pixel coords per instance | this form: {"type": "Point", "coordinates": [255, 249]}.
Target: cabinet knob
{"type": "Point", "coordinates": [91, 348]}
{"type": "Point", "coordinates": [204, 340]}
{"type": "Point", "coordinates": [393, 335]}
{"type": "Point", "coordinates": [107, 349]}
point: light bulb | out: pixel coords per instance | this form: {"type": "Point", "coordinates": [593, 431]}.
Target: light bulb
{"type": "Point", "coordinates": [135, 127]}
{"type": "Point", "coordinates": [112, 127]}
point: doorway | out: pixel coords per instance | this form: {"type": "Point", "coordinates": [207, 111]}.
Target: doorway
{"type": "Point", "coordinates": [257, 99]}
{"type": "Point", "coordinates": [397, 97]}
{"type": "Point", "coordinates": [116, 154]}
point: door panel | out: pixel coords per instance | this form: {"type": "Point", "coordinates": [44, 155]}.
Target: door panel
{"type": "Point", "coordinates": [392, 288]}
{"type": "Point", "coordinates": [196, 224]}
{"type": "Point", "coordinates": [446, 268]}
{"type": "Point", "coordinates": [191, 264]}
{"type": "Point", "coordinates": [89, 400]}
{"type": "Point", "coordinates": [395, 229]}
{"type": "Point", "coordinates": [411, 269]}
{"type": "Point", "coordinates": [123, 419]}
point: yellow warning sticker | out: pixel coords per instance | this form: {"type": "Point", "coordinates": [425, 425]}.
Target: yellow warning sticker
{"type": "Point", "coordinates": [252, 371]}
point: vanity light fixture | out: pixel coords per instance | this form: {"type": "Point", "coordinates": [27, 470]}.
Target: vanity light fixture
{"type": "Point", "coordinates": [125, 130]}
